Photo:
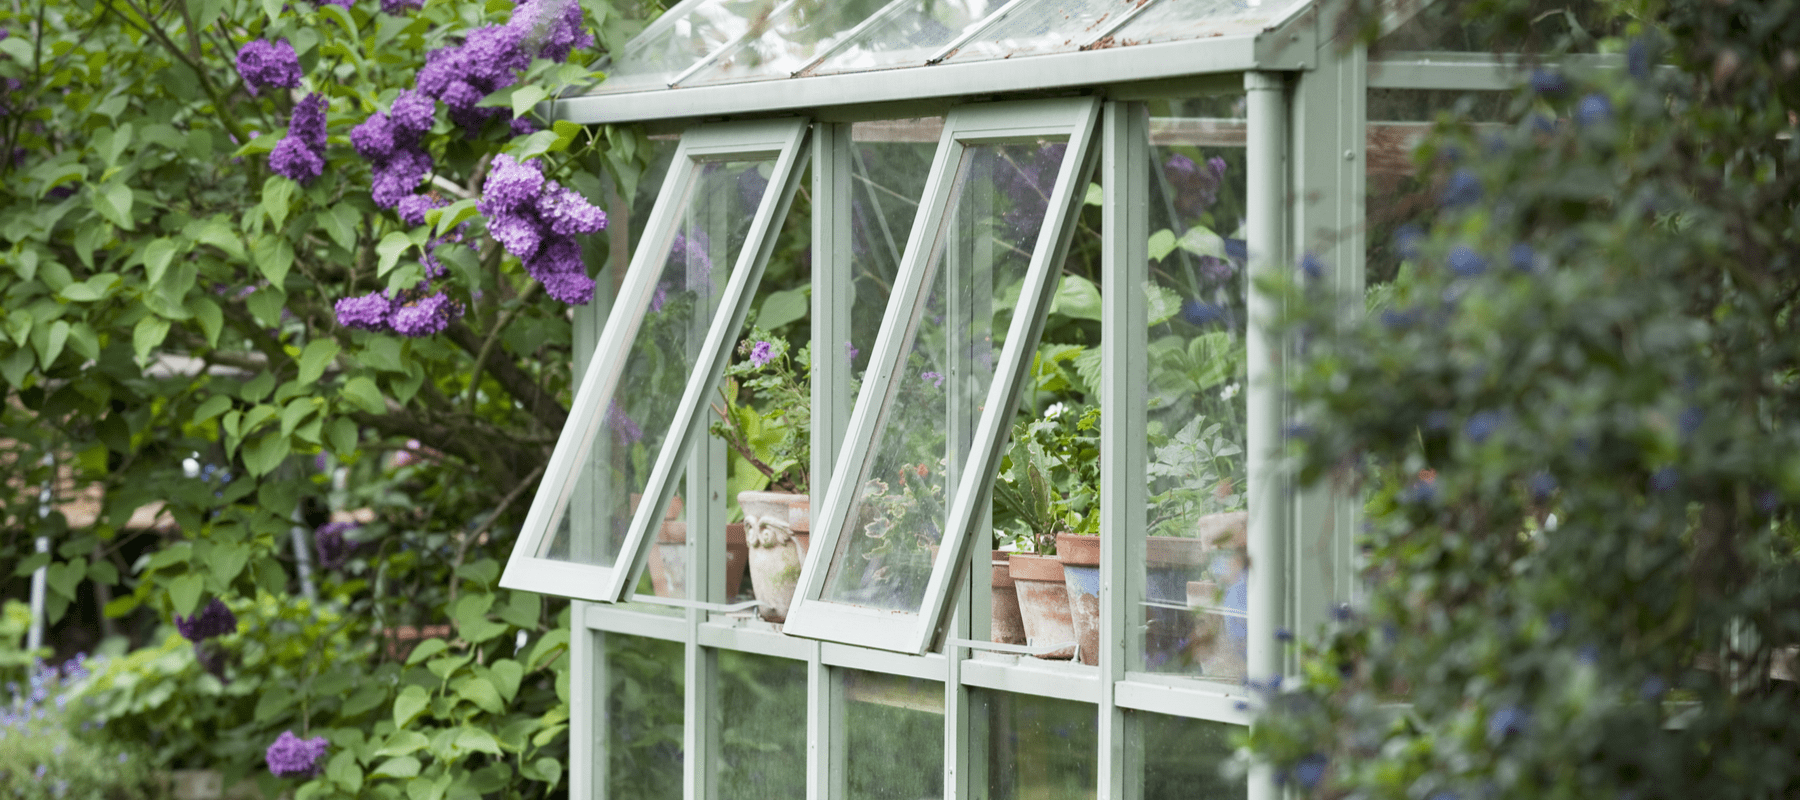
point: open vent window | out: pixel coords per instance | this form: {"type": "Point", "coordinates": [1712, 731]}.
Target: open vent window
{"type": "Point", "coordinates": [912, 480]}
{"type": "Point", "coordinates": [617, 466]}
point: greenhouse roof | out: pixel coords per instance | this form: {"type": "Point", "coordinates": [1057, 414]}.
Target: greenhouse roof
{"type": "Point", "coordinates": [718, 57]}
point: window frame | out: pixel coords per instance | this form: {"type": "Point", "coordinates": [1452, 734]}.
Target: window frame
{"type": "Point", "coordinates": [786, 140]}
{"type": "Point", "coordinates": [813, 617]}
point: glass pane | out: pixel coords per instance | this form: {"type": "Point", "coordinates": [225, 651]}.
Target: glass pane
{"type": "Point", "coordinates": [1041, 747]}
{"type": "Point", "coordinates": [893, 737]}
{"type": "Point", "coordinates": [1399, 202]}
{"type": "Point", "coordinates": [1045, 26]}
{"type": "Point", "coordinates": [784, 42]}
{"type": "Point", "coordinates": [762, 724]}
{"type": "Point", "coordinates": [1195, 581]}
{"type": "Point", "coordinates": [671, 46]}
{"type": "Point", "coordinates": [907, 36]}
{"type": "Point", "coordinates": [699, 255]}
{"type": "Point", "coordinates": [1184, 758]}
{"type": "Point", "coordinates": [644, 710]}
{"type": "Point", "coordinates": [892, 159]}
{"type": "Point", "coordinates": [1171, 20]}
{"type": "Point", "coordinates": [975, 271]}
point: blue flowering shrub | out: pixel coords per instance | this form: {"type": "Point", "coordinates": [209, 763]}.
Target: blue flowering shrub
{"type": "Point", "coordinates": [1572, 420]}
{"type": "Point", "coordinates": [45, 753]}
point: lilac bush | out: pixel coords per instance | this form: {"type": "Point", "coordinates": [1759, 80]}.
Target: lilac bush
{"type": "Point", "coordinates": [537, 220]}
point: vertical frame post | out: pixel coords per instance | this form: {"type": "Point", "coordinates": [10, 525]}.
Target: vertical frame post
{"type": "Point", "coordinates": [1329, 186]}
{"type": "Point", "coordinates": [833, 291]}
{"type": "Point", "coordinates": [1266, 239]}
{"type": "Point", "coordinates": [1124, 372]}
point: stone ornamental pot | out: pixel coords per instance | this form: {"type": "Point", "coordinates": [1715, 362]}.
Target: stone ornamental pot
{"type": "Point", "coordinates": [775, 528]}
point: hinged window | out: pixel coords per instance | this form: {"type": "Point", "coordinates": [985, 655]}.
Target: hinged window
{"type": "Point", "coordinates": [912, 479]}
{"type": "Point", "coordinates": [638, 410]}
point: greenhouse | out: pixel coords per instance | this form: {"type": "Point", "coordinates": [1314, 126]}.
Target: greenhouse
{"type": "Point", "coordinates": [998, 256]}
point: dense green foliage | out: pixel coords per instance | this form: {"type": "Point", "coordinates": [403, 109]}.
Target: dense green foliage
{"type": "Point", "coordinates": [169, 298]}
{"type": "Point", "coordinates": [1572, 417]}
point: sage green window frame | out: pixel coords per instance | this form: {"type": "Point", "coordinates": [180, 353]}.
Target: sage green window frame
{"type": "Point", "coordinates": [785, 139]}
{"type": "Point", "coordinates": [814, 617]}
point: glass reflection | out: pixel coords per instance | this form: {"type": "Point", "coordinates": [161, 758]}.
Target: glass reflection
{"type": "Point", "coordinates": [893, 738]}
{"type": "Point", "coordinates": [643, 726]}
{"type": "Point", "coordinates": [700, 253]}
{"type": "Point", "coordinates": [906, 36]}
{"type": "Point", "coordinates": [975, 271]}
{"type": "Point", "coordinates": [1196, 581]}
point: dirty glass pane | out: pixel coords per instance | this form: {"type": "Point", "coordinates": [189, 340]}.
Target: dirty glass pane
{"type": "Point", "coordinates": [670, 46]}
{"type": "Point", "coordinates": [1196, 587]}
{"type": "Point", "coordinates": [717, 206]}
{"type": "Point", "coordinates": [893, 746]}
{"type": "Point", "coordinates": [762, 724]}
{"type": "Point", "coordinates": [1041, 747]}
{"type": "Point", "coordinates": [891, 159]}
{"type": "Point", "coordinates": [1172, 20]}
{"type": "Point", "coordinates": [906, 36]}
{"type": "Point", "coordinates": [782, 43]}
{"type": "Point", "coordinates": [975, 272]}
{"type": "Point", "coordinates": [1185, 759]}
{"type": "Point", "coordinates": [644, 708]}
{"type": "Point", "coordinates": [1036, 27]}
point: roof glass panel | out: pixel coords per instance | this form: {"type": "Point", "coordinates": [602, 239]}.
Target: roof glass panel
{"type": "Point", "coordinates": [1047, 26]}
{"type": "Point", "coordinates": [684, 36]}
{"type": "Point", "coordinates": [906, 35]}
{"type": "Point", "coordinates": [1172, 20]}
{"type": "Point", "coordinates": [790, 38]}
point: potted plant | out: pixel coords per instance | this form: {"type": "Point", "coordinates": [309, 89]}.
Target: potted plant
{"type": "Point", "coordinates": [765, 417]}
{"type": "Point", "coordinates": [1047, 502]}
{"type": "Point", "coordinates": [901, 521]}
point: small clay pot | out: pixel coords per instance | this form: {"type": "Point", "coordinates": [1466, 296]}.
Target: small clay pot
{"type": "Point", "coordinates": [1080, 557]}
{"type": "Point", "coordinates": [1006, 627]}
{"type": "Point", "coordinates": [1043, 602]}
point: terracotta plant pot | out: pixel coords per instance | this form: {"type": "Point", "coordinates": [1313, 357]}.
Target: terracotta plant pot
{"type": "Point", "coordinates": [771, 522]}
{"type": "Point", "coordinates": [668, 560]}
{"type": "Point", "coordinates": [1080, 557]}
{"type": "Point", "coordinates": [668, 573]}
{"type": "Point", "coordinates": [1043, 602]}
{"type": "Point", "coordinates": [1006, 627]}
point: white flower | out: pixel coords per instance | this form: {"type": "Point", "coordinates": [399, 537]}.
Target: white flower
{"type": "Point", "coordinates": [1055, 410]}
{"type": "Point", "coordinates": [1230, 391]}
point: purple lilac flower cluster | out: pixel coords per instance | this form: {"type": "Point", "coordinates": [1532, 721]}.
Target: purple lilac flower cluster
{"type": "Point", "coordinates": [300, 154]}
{"type": "Point", "coordinates": [399, 8]}
{"type": "Point", "coordinates": [213, 620]}
{"type": "Point", "coordinates": [269, 65]}
{"type": "Point", "coordinates": [490, 58]}
{"type": "Point", "coordinates": [690, 249]}
{"type": "Point", "coordinates": [412, 312]}
{"type": "Point", "coordinates": [334, 549]}
{"type": "Point", "coordinates": [537, 220]}
{"type": "Point", "coordinates": [390, 141]}
{"type": "Point", "coordinates": [1196, 189]}
{"type": "Point", "coordinates": [292, 756]}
